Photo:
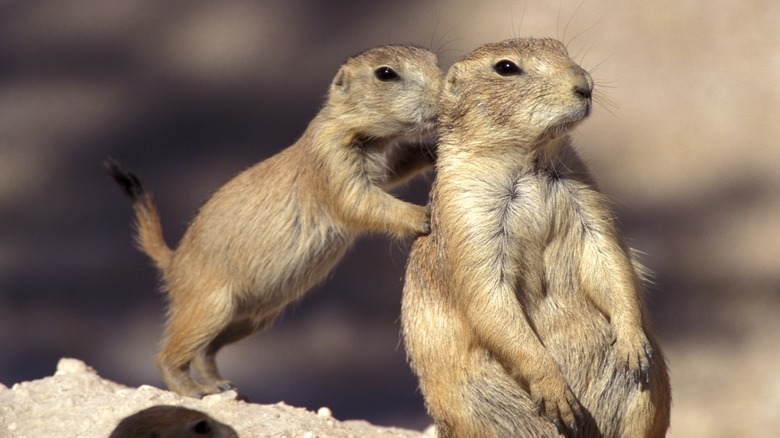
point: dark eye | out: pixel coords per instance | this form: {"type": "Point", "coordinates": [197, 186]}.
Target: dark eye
{"type": "Point", "coordinates": [202, 427]}
{"type": "Point", "coordinates": [506, 67]}
{"type": "Point", "coordinates": [386, 74]}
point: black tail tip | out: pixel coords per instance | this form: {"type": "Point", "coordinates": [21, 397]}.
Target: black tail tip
{"type": "Point", "coordinates": [130, 183]}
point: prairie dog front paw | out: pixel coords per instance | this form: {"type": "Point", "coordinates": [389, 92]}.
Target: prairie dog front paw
{"type": "Point", "coordinates": [555, 400]}
{"type": "Point", "coordinates": [634, 356]}
{"type": "Point", "coordinates": [420, 220]}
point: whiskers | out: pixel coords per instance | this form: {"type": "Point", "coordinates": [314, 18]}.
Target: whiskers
{"type": "Point", "coordinates": [602, 88]}
{"type": "Point", "coordinates": [519, 29]}
{"type": "Point", "coordinates": [439, 43]}
{"type": "Point", "coordinates": [601, 97]}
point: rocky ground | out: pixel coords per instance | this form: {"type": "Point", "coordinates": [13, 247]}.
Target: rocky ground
{"type": "Point", "coordinates": [77, 402]}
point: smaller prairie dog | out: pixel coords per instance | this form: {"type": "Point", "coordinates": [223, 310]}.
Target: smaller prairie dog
{"type": "Point", "coordinates": [165, 421]}
{"type": "Point", "coordinates": [523, 300]}
{"type": "Point", "coordinates": [271, 233]}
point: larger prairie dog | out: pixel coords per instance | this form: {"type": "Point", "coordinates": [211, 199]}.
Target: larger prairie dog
{"type": "Point", "coordinates": [523, 300]}
{"type": "Point", "coordinates": [271, 233]}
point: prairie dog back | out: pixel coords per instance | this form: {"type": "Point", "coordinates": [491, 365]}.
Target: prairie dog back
{"type": "Point", "coordinates": [275, 230]}
{"type": "Point", "coordinates": [524, 300]}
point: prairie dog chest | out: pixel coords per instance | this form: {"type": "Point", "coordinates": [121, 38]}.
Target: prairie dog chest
{"type": "Point", "coordinates": [545, 206]}
{"type": "Point", "coordinates": [510, 216]}
{"type": "Point", "coordinates": [515, 206]}
{"type": "Point", "coordinates": [509, 204]}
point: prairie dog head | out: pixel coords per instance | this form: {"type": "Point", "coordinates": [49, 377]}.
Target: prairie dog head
{"type": "Point", "coordinates": [164, 421]}
{"type": "Point", "coordinates": [520, 90]}
{"type": "Point", "coordinates": [387, 92]}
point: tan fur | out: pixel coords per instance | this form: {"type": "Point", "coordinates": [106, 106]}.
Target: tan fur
{"type": "Point", "coordinates": [275, 230]}
{"type": "Point", "coordinates": [523, 297]}
{"type": "Point", "coordinates": [164, 421]}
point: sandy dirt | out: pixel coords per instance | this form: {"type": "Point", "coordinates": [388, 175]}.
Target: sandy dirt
{"type": "Point", "coordinates": [76, 402]}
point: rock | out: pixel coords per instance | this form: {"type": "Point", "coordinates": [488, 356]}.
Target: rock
{"type": "Point", "coordinates": [77, 402]}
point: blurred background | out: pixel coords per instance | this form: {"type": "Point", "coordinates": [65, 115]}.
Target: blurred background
{"type": "Point", "coordinates": [684, 139]}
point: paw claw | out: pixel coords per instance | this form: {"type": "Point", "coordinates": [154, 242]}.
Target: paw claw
{"type": "Point", "coordinates": [227, 388]}
{"type": "Point", "coordinates": [650, 353]}
{"type": "Point", "coordinates": [559, 425]}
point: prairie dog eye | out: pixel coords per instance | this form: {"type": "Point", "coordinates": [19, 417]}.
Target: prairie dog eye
{"type": "Point", "coordinates": [202, 428]}
{"type": "Point", "coordinates": [506, 67]}
{"type": "Point", "coordinates": [386, 74]}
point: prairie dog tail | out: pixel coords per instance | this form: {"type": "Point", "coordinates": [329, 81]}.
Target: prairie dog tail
{"type": "Point", "coordinates": [149, 236]}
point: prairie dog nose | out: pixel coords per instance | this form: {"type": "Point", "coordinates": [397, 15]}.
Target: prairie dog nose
{"type": "Point", "coordinates": [583, 85]}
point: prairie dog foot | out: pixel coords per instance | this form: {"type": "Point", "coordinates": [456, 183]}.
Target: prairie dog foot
{"type": "Point", "coordinates": [220, 386]}
{"type": "Point", "coordinates": [179, 380]}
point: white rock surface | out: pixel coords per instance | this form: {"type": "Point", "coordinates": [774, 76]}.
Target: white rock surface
{"type": "Point", "coordinates": [77, 402]}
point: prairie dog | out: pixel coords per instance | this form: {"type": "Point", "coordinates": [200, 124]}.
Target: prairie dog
{"type": "Point", "coordinates": [165, 421]}
{"type": "Point", "coordinates": [271, 233]}
{"type": "Point", "coordinates": [523, 300]}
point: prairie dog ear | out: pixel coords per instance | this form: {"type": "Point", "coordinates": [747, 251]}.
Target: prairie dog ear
{"type": "Point", "coordinates": [452, 82]}
{"type": "Point", "coordinates": [342, 81]}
